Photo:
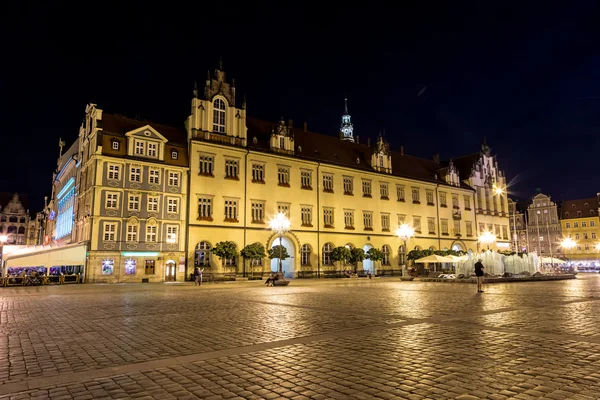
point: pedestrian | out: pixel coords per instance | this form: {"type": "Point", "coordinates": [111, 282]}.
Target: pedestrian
{"type": "Point", "coordinates": [197, 276]}
{"type": "Point", "coordinates": [479, 274]}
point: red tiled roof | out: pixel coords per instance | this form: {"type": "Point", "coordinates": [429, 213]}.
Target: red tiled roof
{"type": "Point", "coordinates": [121, 125]}
{"type": "Point", "coordinates": [332, 150]}
{"type": "Point", "coordinates": [572, 206]}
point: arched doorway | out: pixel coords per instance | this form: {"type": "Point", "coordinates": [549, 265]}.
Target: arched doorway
{"type": "Point", "coordinates": [368, 264]}
{"type": "Point", "coordinates": [170, 273]}
{"type": "Point", "coordinates": [457, 246]}
{"type": "Point", "coordinates": [287, 265]}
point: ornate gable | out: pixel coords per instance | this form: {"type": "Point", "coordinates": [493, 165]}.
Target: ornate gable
{"type": "Point", "coordinates": [282, 138]}
{"type": "Point", "coordinates": [381, 159]}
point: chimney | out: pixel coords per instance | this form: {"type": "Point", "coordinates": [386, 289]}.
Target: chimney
{"type": "Point", "coordinates": [401, 150]}
{"type": "Point", "coordinates": [291, 123]}
{"type": "Point", "coordinates": [436, 158]}
{"type": "Point", "coordinates": [369, 141]}
{"type": "Point", "coordinates": [305, 127]}
{"type": "Point", "coordinates": [357, 142]}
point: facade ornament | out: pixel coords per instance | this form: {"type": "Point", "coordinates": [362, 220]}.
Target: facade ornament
{"type": "Point", "coordinates": [346, 127]}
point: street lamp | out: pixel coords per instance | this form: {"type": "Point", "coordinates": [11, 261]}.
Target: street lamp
{"type": "Point", "coordinates": [3, 239]}
{"type": "Point", "coordinates": [487, 238]}
{"type": "Point", "coordinates": [568, 244]}
{"type": "Point", "coordinates": [405, 232]}
{"type": "Point", "coordinates": [280, 224]}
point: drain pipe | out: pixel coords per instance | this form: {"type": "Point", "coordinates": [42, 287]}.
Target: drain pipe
{"type": "Point", "coordinates": [318, 223]}
{"type": "Point", "coordinates": [246, 205]}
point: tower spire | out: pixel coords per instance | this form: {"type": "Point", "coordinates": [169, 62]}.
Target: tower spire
{"type": "Point", "coordinates": [346, 128]}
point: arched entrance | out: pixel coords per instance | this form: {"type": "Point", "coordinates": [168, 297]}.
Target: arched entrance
{"type": "Point", "coordinates": [170, 273]}
{"type": "Point", "coordinates": [368, 264]}
{"type": "Point", "coordinates": [458, 246]}
{"type": "Point", "coordinates": [287, 265]}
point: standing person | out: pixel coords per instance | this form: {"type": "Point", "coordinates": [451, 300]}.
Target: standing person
{"type": "Point", "coordinates": [479, 274]}
{"type": "Point", "coordinates": [200, 280]}
{"type": "Point", "coordinates": [197, 276]}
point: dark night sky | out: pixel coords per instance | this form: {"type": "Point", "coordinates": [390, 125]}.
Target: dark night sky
{"type": "Point", "coordinates": [524, 75]}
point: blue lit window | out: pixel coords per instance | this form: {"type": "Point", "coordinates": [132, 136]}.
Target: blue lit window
{"type": "Point", "coordinates": [66, 200]}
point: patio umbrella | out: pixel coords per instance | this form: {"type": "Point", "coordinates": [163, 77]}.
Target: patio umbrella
{"type": "Point", "coordinates": [552, 260]}
{"type": "Point", "coordinates": [434, 258]}
{"type": "Point", "coordinates": [457, 259]}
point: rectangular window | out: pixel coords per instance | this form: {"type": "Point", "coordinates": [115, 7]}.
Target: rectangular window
{"type": "Point", "coordinates": [444, 226]}
{"type": "Point", "coordinates": [152, 149]}
{"type": "Point", "coordinates": [115, 145]}
{"type": "Point", "coordinates": [151, 234]}
{"type": "Point", "coordinates": [306, 180]}
{"type": "Point", "coordinates": [112, 201]}
{"type": "Point", "coordinates": [328, 183]}
{"type": "Point", "coordinates": [231, 210]}
{"type": "Point", "coordinates": [258, 173]}
{"type": "Point", "coordinates": [385, 222]}
{"type": "Point", "coordinates": [577, 236]}
{"type": "Point", "coordinates": [497, 230]}
{"type": "Point", "coordinates": [348, 185]}
{"type": "Point", "coordinates": [328, 217]}
{"type": "Point", "coordinates": [429, 196]}
{"type": "Point", "coordinates": [132, 233]}
{"type": "Point", "coordinates": [258, 212]}
{"type": "Point", "coordinates": [481, 228]}
{"type": "Point", "coordinates": [232, 169]}
{"type": "Point", "coordinates": [173, 178]}
{"type": "Point", "coordinates": [140, 146]}
{"type": "Point", "coordinates": [366, 188]}
{"type": "Point", "coordinates": [592, 223]}
{"type": "Point", "coordinates": [431, 225]}
{"type": "Point", "coordinates": [306, 216]}
{"type": "Point", "coordinates": [206, 165]}
{"type": "Point", "coordinates": [130, 266]}
{"type": "Point", "coordinates": [400, 192]}
{"type": "Point", "coordinates": [152, 204]}
{"type": "Point", "coordinates": [205, 208]}
{"type": "Point", "coordinates": [172, 233]}
{"type": "Point", "coordinates": [586, 246]}
{"type": "Point", "coordinates": [416, 198]}
{"type": "Point", "coordinates": [173, 206]}
{"type": "Point", "coordinates": [109, 232]}
{"type": "Point", "coordinates": [368, 220]}
{"type": "Point", "coordinates": [583, 224]}
{"type": "Point", "coordinates": [417, 224]}
{"type": "Point", "coordinates": [134, 202]}
{"type": "Point", "coordinates": [593, 235]}
{"type": "Point", "coordinates": [149, 267]}
{"type": "Point", "coordinates": [469, 225]}
{"type": "Point", "coordinates": [114, 172]}
{"type": "Point", "coordinates": [135, 174]}
{"type": "Point", "coordinates": [348, 219]}
{"type": "Point", "coordinates": [575, 224]}
{"type": "Point", "coordinates": [504, 232]}
{"type": "Point", "coordinates": [174, 155]}
{"type": "Point", "coordinates": [567, 225]}
{"type": "Point", "coordinates": [283, 176]}
{"type": "Point", "coordinates": [455, 204]}
{"type": "Point", "coordinates": [585, 236]}
{"type": "Point", "coordinates": [154, 176]}
{"type": "Point", "coordinates": [401, 219]}
{"type": "Point", "coordinates": [384, 191]}
{"type": "Point", "coordinates": [479, 204]}
{"type": "Point", "coordinates": [457, 227]}
{"type": "Point", "coordinates": [284, 208]}
{"type": "Point", "coordinates": [467, 203]}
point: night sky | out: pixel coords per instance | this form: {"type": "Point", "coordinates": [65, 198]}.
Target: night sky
{"type": "Point", "coordinates": [437, 78]}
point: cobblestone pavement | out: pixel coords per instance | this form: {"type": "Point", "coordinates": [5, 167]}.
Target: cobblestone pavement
{"type": "Point", "coordinates": [328, 339]}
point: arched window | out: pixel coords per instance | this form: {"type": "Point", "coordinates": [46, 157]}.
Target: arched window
{"type": "Point", "coordinates": [592, 212]}
{"type": "Point", "coordinates": [386, 255]}
{"type": "Point", "coordinates": [13, 219]}
{"type": "Point", "coordinates": [432, 248]}
{"type": "Point", "coordinates": [219, 116]}
{"type": "Point", "coordinates": [22, 220]}
{"type": "Point", "coordinates": [327, 254]}
{"type": "Point", "coordinates": [401, 255]}
{"type": "Point", "coordinates": [305, 255]}
{"type": "Point", "coordinates": [12, 229]}
{"type": "Point", "coordinates": [21, 230]}
{"type": "Point", "coordinates": [202, 256]}
{"type": "Point", "coordinates": [3, 219]}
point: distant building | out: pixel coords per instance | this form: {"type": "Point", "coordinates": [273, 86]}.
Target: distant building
{"type": "Point", "coordinates": [543, 227]}
{"type": "Point", "coordinates": [580, 222]}
{"type": "Point", "coordinates": [518, 225]}
{"type": "Point", "coordinates": [14, 218]}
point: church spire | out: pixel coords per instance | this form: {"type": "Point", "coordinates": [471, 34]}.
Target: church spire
{"type": "Point", "coordinates": [346, 128]}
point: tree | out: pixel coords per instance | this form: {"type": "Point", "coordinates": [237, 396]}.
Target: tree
{"type": "Point", "coordinates": [374, 254]}
{"type": "Point", "coordinates": [356, 255]}
{"type": "Point", "coordinates": [341, 253]}
{"type": "Point", "coordinates": [254, 251]}
{"type": "Point", "coordinates": [225, 250]}
{"type": "Point", "coordinates": [274, 252]}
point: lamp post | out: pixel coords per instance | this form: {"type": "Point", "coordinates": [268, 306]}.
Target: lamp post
{"type": "Point", "coordinates": [568, 244]}
{"type": "Point", "coordinates": [487, 238]}
{"type": "Point", "coordinates": [405, 232]}
{"type": "Point", "coordinates": [3, 239]}
{"type": "Point", "coordinates": [280, 224]}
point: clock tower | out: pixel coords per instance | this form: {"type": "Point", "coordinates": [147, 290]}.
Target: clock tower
{"type": "Point", "coordinates": [346, 128]}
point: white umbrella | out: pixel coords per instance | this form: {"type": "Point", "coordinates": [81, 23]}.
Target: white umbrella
{"type": "Point", "coordinates": [552, 260]}
{"type": "Point", "coordinates": [434, 258]}
{"type": "Point", "coordinates": [457, 258]}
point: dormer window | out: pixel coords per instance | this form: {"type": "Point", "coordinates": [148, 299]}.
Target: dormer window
{"type": "Point", "coordinates": [282, 143]}
{"type": "Point", "coordinates": [174, 154]}
{"type": "Point", "coordinates": [219, 116]}
{"type": "Point", "coordinates": [115, 145]}
{"type": "Point", "coordinates": [139, 147]}
{"type": "Point", "coordinates": [152, 149]}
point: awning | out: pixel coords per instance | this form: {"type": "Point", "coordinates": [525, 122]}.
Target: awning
{"type": "Point", "coordinates": [45, 256]}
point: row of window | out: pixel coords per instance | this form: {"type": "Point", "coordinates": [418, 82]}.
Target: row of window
{"type": "Point", "coordinates": [145, 148]}
{"type": "Point", "coordinates": [135, 175]}
{"type": "Point", "coordinates": [583, 224]}
{"type": "Point", "coordinates": [580, 214]}
{"type": "Point", "coordinates": [13, 229]}
{"type": "Point", "coordinates": [584, 235]}
{"type": "Point", "coordinates": [108, 266]}
{"type": "Point", "coordinates": [134, 202]}
{"type": "Point", "coordinates": [133, 231]}
{"type": "Point", "coordinates": [12, 219]}
{"type": "Point", "coordinates": [489, 196]}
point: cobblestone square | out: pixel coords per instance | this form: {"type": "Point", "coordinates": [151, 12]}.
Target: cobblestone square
{"type": "Point", "coordinates": [327, 339]}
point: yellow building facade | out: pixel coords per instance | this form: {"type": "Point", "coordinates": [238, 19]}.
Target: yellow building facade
{"type": "Point", "coordinates": [581, 223]}
{"type": "Point", "coordinates": [335, 191]}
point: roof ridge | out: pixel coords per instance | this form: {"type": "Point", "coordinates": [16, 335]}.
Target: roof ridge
{"type": "Point", "coordinates": [149, 122]}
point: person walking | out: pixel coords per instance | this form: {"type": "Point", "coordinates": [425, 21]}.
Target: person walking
{"type": "Point", "coordinates": [479, 274]}
{"type": "Point", "coordinates": [197, 276]}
